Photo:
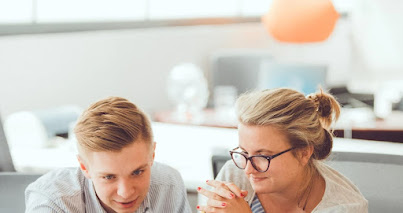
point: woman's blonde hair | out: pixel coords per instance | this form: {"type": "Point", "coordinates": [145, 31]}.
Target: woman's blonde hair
{"type": "Point", "coordinates": [112, 124]}
{"type": "Point", "coordinates": [306, 121]}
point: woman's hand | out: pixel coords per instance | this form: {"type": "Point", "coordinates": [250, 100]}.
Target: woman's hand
{"type": "Point", "coordinates": [226, 197]}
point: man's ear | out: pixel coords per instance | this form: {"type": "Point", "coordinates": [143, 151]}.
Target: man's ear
{"type": "Point", "coordinates": [83, 167]}
{"type": "Point", "coordinates": [154, 145]}
{"type": "Point", "coordinates": [305, 154]}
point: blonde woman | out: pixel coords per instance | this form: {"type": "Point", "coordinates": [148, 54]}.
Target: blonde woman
{"type": "Point", "coordinates": [277, 167]}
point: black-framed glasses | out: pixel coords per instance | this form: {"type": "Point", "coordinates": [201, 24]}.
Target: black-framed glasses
{"type": "Point", "coordinates": [260, 162]}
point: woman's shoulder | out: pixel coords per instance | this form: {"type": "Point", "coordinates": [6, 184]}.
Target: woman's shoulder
{"type": "Point", "coordinates": [340, 193]}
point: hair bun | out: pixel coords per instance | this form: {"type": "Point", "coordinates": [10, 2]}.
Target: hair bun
{"type": "Point", "coordinates": [322, 103]}
{"type": "Point", "coordinates": [326, 147]}
{"type": "Point", "coordinates": [324, 106]}
{"type": "Point", "coordinates": [327, 107]}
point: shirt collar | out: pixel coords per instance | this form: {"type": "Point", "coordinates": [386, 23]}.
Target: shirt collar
{"type": "Point", "coordinates": [93, 203]}
{"type": "Point", "coordinates": [145, 205]}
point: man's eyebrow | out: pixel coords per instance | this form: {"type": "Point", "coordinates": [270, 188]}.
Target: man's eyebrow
{"type": "Point", "coordinates": [104, 173]}
{"type": "Point", "coordinates": [141, 167]}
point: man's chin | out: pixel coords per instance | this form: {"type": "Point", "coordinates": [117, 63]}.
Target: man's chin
{"type": "Point", "coordinates": [120, 206]}
{"type": "Point", "coordinates": [123, 207]}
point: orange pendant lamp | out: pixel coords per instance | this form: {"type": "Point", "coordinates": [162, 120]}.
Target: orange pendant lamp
{"type": "Point", "coordinates": [300, 21]}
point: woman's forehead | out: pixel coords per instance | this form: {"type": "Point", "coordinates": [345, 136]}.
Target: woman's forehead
{"type": "Point", "coordinates": [256, 138]}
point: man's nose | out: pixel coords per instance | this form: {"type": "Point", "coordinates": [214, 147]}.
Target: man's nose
{"type": "Point", "coordinates": [125, 188]}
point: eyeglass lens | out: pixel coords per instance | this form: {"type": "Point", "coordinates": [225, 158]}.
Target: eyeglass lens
{"type": "Point", "coordinates": [259, 163]}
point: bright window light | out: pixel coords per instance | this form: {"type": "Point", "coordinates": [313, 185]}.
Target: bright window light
{"type": "Point", "coordinates": [176, 9]}
{"type": "Point", "coordinates": [90, 10]}
{"type": "Point", "coordinates": [15, 11]}
{"type": "Point", "coordinates": [255, 7]}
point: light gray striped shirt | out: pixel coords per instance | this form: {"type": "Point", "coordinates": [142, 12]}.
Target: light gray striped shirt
{"type": "Point", "coordinates": [67, 190]}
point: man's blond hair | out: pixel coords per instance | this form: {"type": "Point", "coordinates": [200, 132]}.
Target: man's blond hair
{"type": "Point", "coordinates": [112, 124]}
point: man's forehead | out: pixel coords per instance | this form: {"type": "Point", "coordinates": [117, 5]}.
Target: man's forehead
{"type": "Point", "coordinates": [119, 170]}
{"type": "Point", "coordinates": [129, 158]}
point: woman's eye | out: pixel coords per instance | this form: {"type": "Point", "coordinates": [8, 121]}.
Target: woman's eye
{"type": "Point", "coordinates": [138, 172]}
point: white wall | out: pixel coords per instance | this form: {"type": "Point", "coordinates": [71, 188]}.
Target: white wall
{"type": "Point", "coordinates": [41, 71]}
{"type": "Point", "coordinates": [48, 70]}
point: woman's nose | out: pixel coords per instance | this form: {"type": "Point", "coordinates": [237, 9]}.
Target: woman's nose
{"type": "Point", "coordinates": [249, 169]}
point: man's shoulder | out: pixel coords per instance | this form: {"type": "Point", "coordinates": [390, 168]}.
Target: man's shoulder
{"type": "Point", "coordinates": [59, 182]}
{"type": "Point", "coordinates": [167, 192]}
{"type": "Point", "coordinates": [164, 174]}
{"type": "Point", "coordinates": [60, 190]}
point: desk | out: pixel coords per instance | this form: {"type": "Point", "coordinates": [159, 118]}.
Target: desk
{"type": "Point", "coordinates": [389, 129]}
{"type": "Point", "coordinates": [186, 148]}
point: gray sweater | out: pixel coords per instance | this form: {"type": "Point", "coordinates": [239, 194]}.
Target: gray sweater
{"type": "Point", "coordinates": [341, 195]}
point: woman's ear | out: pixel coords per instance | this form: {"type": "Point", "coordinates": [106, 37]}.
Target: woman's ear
{"type": "Point", "coordinates": [305, 154]}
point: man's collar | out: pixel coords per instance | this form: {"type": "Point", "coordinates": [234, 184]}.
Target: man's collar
{"type": "Point", "coordinates": [145, 205]}
{"type": "Point", "coordinates": [95, 203]}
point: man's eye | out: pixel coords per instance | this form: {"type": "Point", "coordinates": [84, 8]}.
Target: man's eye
{"type": "Point", "coordinates": [109, 177]}
{"type": "Point", "coordinates": [138, 172]}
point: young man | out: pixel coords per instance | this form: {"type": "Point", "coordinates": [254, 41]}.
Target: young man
{"type": "Point", "coordinates": [117, 170]}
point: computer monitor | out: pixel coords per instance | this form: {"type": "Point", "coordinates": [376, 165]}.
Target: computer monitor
{"type": "Point", "coordinates": [238, 68]}
{"type": "Point", "coordinates": [305, 78]}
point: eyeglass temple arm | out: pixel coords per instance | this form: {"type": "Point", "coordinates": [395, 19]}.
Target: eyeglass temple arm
{"type": "Point", "coordinates": [278, 154]}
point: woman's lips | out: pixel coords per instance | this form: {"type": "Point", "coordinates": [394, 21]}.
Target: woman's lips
{"type": "Point", "coordinates": [257, 179]}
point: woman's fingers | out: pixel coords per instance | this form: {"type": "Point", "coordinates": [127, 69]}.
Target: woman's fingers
{"type": "Point", "coordinates": [217, 184]}
{"type": "Point", "coordinates": [235, 189]}
{"type": "Point", "coordinates": [216, 203]}
{"type": "Point", "coordinates": [224, 193]}
{"type": "Point", "coordinates": [210, 194]}
{"type": "Point", "coordinates": [226, 189]}
{"type": "Point", "coordinates": [244, 193]}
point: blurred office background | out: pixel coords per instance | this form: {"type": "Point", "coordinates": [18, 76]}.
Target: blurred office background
{"type": "Point", "coordinates": [60, 52]}
{"type": "Point", "coordinates": [58, 56]}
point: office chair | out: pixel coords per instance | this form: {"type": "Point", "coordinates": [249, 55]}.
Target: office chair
{"type": "Point", "coordinates": [218, 162]}
{"type": "Point", "coordinates": [378, 176]}
{"type": "Point", "coordinates": [6, 163]}
{"type": "Point", "coordinates": [12, 190]}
